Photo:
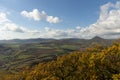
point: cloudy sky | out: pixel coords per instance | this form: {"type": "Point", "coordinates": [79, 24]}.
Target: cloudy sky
{"type": "Point", "coordinates": [22, 19]}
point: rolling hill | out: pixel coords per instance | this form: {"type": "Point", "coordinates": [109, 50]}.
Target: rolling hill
{"type": "Point", "coordinates": [17, 54]}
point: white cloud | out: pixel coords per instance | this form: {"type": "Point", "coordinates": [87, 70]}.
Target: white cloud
{"type": "Point", "coordinates": [11, 30]}
{"type": "Point", "coordinates": [78, 27]}
{"type": "Point", "coordinates": [16, 28]}
{"type": "Point", "coordinates": [47, 29]}
{"type": "Point", "coordinates": [104, 11]}
{"type": "Point", "coordinates": [108, 22]}
{"type": "Point", "coordinates": [52, 19]}
{"type": "Point", "coordinates": [3, 18]}
{"type": "Point", "coordinates": [37, 16]}
{"type": "Point", "coordinates": [107, 26]}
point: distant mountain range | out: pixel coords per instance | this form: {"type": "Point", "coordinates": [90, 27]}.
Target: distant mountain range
{"type": "Point", "coordinates": [36, 40]}
{"type": "Point", "coordinates": [67, 40]}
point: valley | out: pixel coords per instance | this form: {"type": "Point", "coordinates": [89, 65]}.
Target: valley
{"type": "Point", "coordinates": [15, 56]}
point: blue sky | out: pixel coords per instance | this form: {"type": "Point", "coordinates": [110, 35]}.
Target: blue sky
{"type": "Point", "coordinates": [59, 18]}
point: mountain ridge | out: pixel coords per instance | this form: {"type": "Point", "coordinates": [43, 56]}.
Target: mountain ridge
{"type": "Point", "coordinates": [42, 40]}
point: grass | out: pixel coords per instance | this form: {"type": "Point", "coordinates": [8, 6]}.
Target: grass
{"type": "Point", "coordinates": [13, 45]}
{"type": "Point", "coordinates": [2, 56]}
{"type": "Point", "coordinates": [23, 56]}
{"type": "Point", "coordinates": [72, 47]}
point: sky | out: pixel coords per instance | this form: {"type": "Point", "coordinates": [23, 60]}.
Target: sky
{"type": "Point", "coordinates": [23, 19]}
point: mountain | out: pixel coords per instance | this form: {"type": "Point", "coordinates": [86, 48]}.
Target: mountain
{"type": "Point", "coordinates": [97, 38]}
{"type": "Point", "coordinates": [35, 40]}
{"type": "Point", "coordinates": [60, 41]}
{"type": "Point", "coordinates": [101, 41]}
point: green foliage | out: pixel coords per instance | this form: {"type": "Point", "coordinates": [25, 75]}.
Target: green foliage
{"type": "Point", "coordinates": [96, 63]}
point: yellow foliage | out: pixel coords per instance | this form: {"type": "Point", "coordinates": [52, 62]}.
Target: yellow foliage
{"type": "Point", "coordinates": [116, 77]}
